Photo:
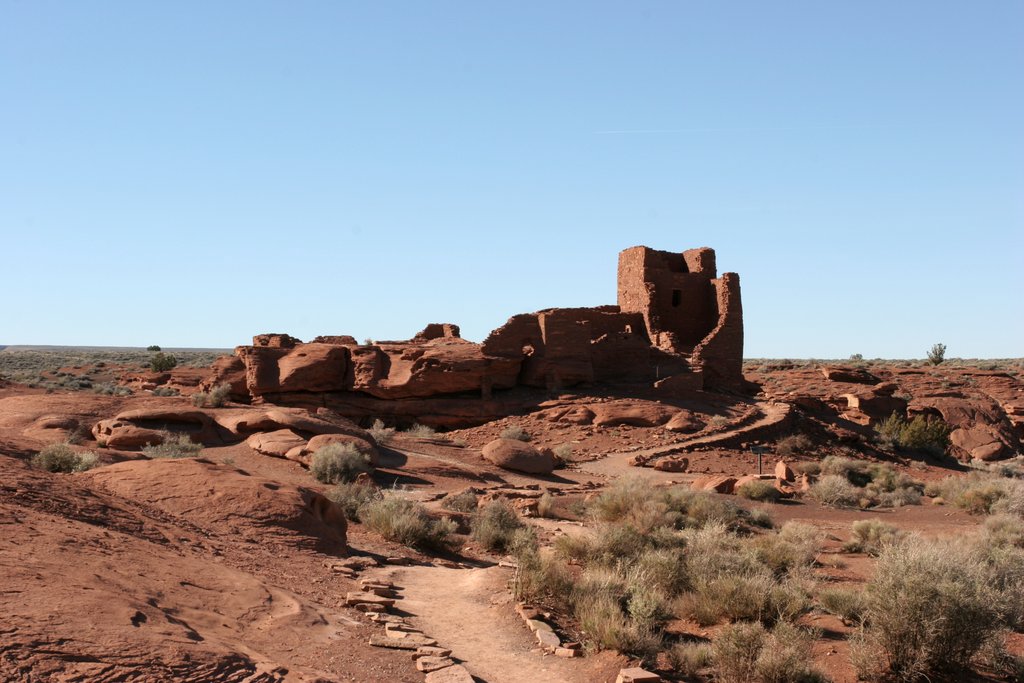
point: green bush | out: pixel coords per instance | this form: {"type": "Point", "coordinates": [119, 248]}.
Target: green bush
{"type": "Point", "coordinates": [353, 497]}
{"type": "Point", "coordinates": [61, 457]}
{"type": "Point", "coordinates": [406, 522]}
{"type": "Point", "coordinates": [338, 463]}
{"type": "Point", "coordinates": [919, 434]}
{"type": "Point", "coordinates": [173, 446]}
{"type": "Point", "coordinates": [215, 398]}
{"type": "Point", "coordinates": [162, 362]}
{"type": "Point", "coordinates": [153, 347]}
{"type": "Point", "coordinates": [494, 525]}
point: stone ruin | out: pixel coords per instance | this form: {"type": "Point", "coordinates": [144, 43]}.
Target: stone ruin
{"type": "Point", "coordinates": [677, 328]}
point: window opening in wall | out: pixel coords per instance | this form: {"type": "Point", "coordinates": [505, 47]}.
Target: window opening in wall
{"type": "Point", "coordinates": [677, 297]}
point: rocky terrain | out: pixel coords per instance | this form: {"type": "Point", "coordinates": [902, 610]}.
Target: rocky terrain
{"type": "Point", "coordinates": [605, 494]}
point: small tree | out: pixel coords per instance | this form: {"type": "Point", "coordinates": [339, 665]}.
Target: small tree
{"type": "Point", "coordinates": [153, 347]}
{"type": "Point", "coordinates": [162, 362]}
{"type": "Point", "coordinates": [937, 354]}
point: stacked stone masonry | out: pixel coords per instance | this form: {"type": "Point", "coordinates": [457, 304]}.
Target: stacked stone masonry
{"type": "Point", "coordinates": [677, 326]}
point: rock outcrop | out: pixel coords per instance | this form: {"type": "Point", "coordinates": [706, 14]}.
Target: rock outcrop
{"type": "Point", "coordinates": [512, 454]}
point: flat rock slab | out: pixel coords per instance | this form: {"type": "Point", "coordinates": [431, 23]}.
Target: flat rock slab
{"type": "Point", "coordinates": [450, 674]}
{"type": "Point", "coordinates": [429, 664]}
{"type": "Point", "coordinates": [368, 599]}
{"type": "Point", "coordinates": [548, 639]}
{"type": "Point", "coordinates": [411, 642]}
{"type": "Point", "coordinates": [431, 651]}
{"type": "Point", "coordinates": [637, 675]}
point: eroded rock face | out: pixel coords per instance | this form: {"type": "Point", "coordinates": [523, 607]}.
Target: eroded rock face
{"type": "Point", "coordinates": [512, 454]}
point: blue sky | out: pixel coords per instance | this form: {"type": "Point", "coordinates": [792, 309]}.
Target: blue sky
{"type": "Point", "coordinates": [193, 173]}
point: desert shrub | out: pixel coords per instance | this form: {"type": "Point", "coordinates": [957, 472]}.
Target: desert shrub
{"type": "Point", "coordinates": [835, 491]}
{"type": "Point", "coordinates": [406, 522]}
{"type": "Point", "coordinates": [464, 501]}
{"type": "Point", "coordinates": [563, 452]}
{"type": "Point", "coordinates": [352, 497]}
{"type": "Point", "coordinates": [794, 546]}
{"type": "Point", "coordinates": [854, 471]}
{"type": "Point", "coordinates": [937, 354]}
{"type": "Point", "coordinates": [848, 605]}
{"type": "Point", "coordinates": [494, 526]}
{"type": "Point", "coordinates": [421, 431]}
{"type": "Point", "coordinates": [632, 500]}
{"type": "Point", "coordinates": [546, 506]}
{"type": "Point", "coordinates": [214, 398]}
{"type": "Point", "coordinates": [1003, 530]}
{"type": "Point", "coordinates": [602, 619]}
{"type": "Point", "coordinates": [153, 347]}
{"type": "Point", "coordinates": [162, 362]}
{"type": "Point", "coordinates": [515, 432]}
{"type": "Point", "coordinates": [980, 493]}
{"type": "Point", "coordinates": [744, 653]}
{"type": "Point", "coordinates": [689, 659]}
{"type": "Point", "coordinates": [794, 444]}
{"type": "Point", "coordinates": [381, 434]}
{"type": "Point", "coordinates": [760, 490]}
{"type": "Point", "coordinates": [870, 536]}
{"type": "Point", "coordinates": [735, 652]}
{"type": "Point", "coordinates": [166, 391]}
{"type": "Point", "coordinates": [173, 446]}
{"type": "Point", "coordinates": [761, 518]}
{"type": "Point", "coordinates": [61, 457]}
{"type": "Point", "coordinates": [921, 433]}
{"type": "Point", "coordinates": [930, 609]}
{"type": "Point", "coordinates": [808, 467]}
{"type": "Point", "coordinates": [337, 463]}
{"type": "Point", "coordinates": [538, 574]}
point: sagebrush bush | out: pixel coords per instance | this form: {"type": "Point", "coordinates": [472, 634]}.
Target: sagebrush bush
{"type": "Point", "coordinates": [515, 432]}
{"type": "Point", "coordinates": [421, 431]}
{"type": "Point", "coordinates": [930, 608]}
{"type": "Point", "coordinates": [563, 452]}
{"type": "Point", "coordinates": [165, 391]}
{"type": "Point", "coordinates": [173, 446]}
{"type": "Point", "coordinates": [869, 536]}
{"type": "Point", "coordinates": [494, 525]}
{"type": "Point", "coordinates": [689, 659]}
{"type": "Point", "coordinates": [760, 490]}
{"type": "Point", "coordinates": [381, 434]}
{"type": "Point", "coordinates": [848, 605]}
{"type": "Point", "coordinates": [748, 653]}
{"type": "Point", "coordinates": [352, 498]}
{"type": "Point", "coordinates": [338, 463]}
{"type": "Point", "coordinates": [61, 457]}
{"type": "Point", "coordinates": [464, 501]}
{"type": "Point", "coordinates": [835, 491]}
{"type": "Point", "coordinates": [794, 444]}
{"type": "Point", "coordinates": [980, 493]}
{"type": "Point", "coordinates": [214, 398]}
{"type": "Point", "coordinates": [407, 522]}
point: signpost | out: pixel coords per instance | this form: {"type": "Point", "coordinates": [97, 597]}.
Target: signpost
{"type": "Point", "coordinates": [758, 451]}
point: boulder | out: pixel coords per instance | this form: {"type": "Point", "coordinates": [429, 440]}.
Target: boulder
{"type": "Point", "coordinates": [512, 454]}
{"type": "Point", "coordinates": [846, 374]}
{"type": "Point", "coordinates": [633, 413]}
{"type": "Point", "coordinates": [718, 483]}
{"type": "Point", "coordinates": [276, 443]}
{"type": "Point", "coordinates": [783, 472]}
{"type": "Point", "coordinates": [302, 453]}
{"type": "Point", "coordinates": [981, 442]}
{"type": "Point", "coordinates": [684, 421]}
{"type": "Point", "coordinates": [122, 435]}
{"type": "Point", "coordinates": [672, 464]}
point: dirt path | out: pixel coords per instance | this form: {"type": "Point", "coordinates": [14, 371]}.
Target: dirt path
{"type": "Point", "coordinates": [471, 612]}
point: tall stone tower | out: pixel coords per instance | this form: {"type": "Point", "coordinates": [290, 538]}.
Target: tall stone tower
{"type": "Point", "coordinates": [687, 308]}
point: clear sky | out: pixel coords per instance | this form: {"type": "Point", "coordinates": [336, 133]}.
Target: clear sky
{"type": "Point", "coordinates": [193, 173]}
